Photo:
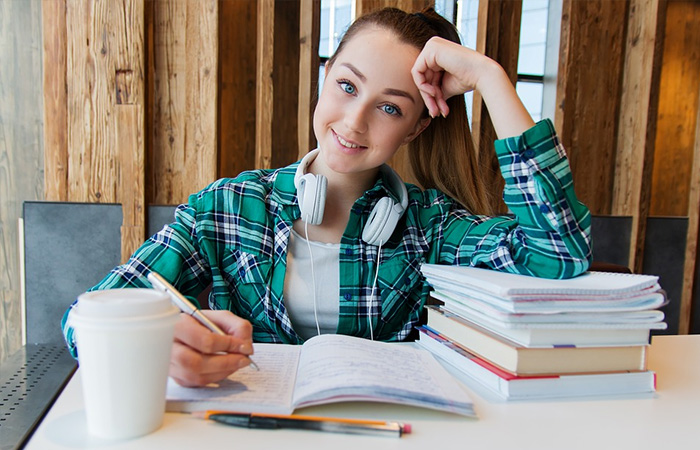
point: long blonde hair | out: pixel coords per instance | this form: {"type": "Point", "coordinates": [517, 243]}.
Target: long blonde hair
{"type": "Point", "coordinates": [443, 156]}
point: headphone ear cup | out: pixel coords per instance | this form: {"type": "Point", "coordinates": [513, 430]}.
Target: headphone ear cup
{"type": "Point", "coordinates": [381, 222]}
{"type": "Point", "coordinates": [312, 198]}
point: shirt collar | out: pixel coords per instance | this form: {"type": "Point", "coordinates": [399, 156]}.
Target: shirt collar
{"type": "Point", "coordinates": [283, 190]}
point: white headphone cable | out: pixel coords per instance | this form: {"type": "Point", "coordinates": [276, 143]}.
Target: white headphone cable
{"type": "Point", "coordinates": [313, 276]}
{"type": "Point", "coordinates": [374, 288]}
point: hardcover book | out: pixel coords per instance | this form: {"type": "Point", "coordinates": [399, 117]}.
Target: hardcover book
{"type": "Point", "coordinates": [521, 360]}
{"type": "Point", "coordinates": [513, 387]}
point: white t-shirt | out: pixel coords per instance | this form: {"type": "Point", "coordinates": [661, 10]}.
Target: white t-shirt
{"type": "Point", "coordinates": [299, 286]}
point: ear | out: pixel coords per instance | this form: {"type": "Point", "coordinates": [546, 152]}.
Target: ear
{"type": "Point", "coordinates": [326, 68]}
{"type": "Point", "coordinates": [421, 125]}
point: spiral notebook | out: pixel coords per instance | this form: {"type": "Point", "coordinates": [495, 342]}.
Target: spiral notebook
{"type": "Point", "coordinates": [514, 287]}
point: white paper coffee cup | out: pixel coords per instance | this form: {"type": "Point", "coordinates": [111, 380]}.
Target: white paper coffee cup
{"type": "Point", "coordinates": [124, 339]}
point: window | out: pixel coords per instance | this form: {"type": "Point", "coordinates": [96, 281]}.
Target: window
{"type": "Point", "coordinates": [533, 39]}
{"type": "Point", "coordinates": [531, 58]}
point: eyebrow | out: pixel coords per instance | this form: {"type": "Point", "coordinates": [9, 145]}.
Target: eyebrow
{"type": "Point", "coordinates": [388, 91]}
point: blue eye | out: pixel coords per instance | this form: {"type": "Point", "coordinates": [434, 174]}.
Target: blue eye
{"type": "Point", "coordinates": [391, 110]}
{"type": "Point", "coordinates": [347, 87]}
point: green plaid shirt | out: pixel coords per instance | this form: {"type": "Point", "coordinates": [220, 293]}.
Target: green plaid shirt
{"type": "Point", "coordinates": [234, 235]}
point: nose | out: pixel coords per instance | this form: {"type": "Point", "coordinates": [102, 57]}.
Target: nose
{"type": "Point", "coordinates": [356, 117]}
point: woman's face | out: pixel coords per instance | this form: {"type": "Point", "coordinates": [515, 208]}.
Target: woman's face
{"type": "Point", "coordinates": [369, 105]}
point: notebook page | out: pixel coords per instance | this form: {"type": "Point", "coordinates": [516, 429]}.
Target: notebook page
{"type": "Point", "coordinates": [247, 390]}
{"type": "Point", "coordinates": [337, 367]}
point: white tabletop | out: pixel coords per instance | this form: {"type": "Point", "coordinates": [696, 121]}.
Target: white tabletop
{"type": "Point", "coordinates": [668, 419]}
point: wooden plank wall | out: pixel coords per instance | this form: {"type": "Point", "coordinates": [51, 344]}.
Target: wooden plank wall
{"type": "Point", "coordinates": [640, 98]}
{"type": "Point", "coordinates": [21, 150]}
{"type": "Point", "coordinates": [100, 154]}
{"type": "Point", "coordinates": [237, 112]}
{"type": "Point", "coordinates": [637, 121]}
{"type": "Point", "coordinates": [146, 102]}
{"type": "Point", "coordinates": [309, 62]}
{"type": "Point", "coordinates": [591, 44]}
{"type": "Point", "coordinates": [680, 77]}
{"type": "Point", "coordinates": [185, 73]}
{"type": "Point", "coordinates": [675, 179]}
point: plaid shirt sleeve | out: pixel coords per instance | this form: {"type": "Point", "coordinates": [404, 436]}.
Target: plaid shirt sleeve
{"type": "Point", "coordinates": [173, 253]}
{"type": "Point", "coordinates": [549, 235]}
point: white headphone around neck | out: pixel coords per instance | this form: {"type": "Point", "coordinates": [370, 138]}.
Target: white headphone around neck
{"type": "Point", "coordinates": [311, 191]}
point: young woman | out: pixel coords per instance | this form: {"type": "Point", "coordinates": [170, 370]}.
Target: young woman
{"type": "Point", "coordinates": [334, 243]}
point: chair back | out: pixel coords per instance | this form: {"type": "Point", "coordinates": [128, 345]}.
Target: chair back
{"type": "Point", "coordinates": [68, 248]}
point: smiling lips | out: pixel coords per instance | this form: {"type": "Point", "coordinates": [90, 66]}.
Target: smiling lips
{"type": "Point", "coordinates": [344, 143]}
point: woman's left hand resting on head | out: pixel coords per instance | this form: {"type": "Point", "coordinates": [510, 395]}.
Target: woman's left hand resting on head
{"type": "Point", "coordinates": [444, 69]}
{"type": "Point", "coordinates": [200, 357]}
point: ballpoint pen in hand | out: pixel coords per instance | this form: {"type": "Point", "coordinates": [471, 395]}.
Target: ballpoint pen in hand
{"type": "Point", "coordinates": [186, 306]}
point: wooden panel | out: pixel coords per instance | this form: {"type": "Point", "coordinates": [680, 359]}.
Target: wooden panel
{"type": "Point", "coordinates": [692, 265]}
{"type": "Point", "coordinates": [263, 85]}
{"type": "Point", "coordinates": [637, 123]}
{"type": "Point", "coordinates": [202, 55]}
{"type": "Point", "coordinates": [129, 122]}
{"type": "Point", "coordinates": [55, 107]}
{"type": "Point", "coordinates": [130, 139]}
{"type": "Point", "coordinates": [92, 164]}
{"type": "Point", "coordinates": [185, 76]}
{"type": "Point", "coordinates": [588, 91]}
{"type": "Point", "coordinates": [677, 110]}
{"type": "Point", "coordinates": [21, 152]}
{"type": "Point", "coordinates": [106, 66]}
{"type": "Point", "coordinates": [237, 38]}
{"type": "Point", "coordinates": [309, 62]}
{"type": "Point", "coordinates": [166, 157]}
{"type": "Point", "coordinates": [498, 36]}
{"type": "Point", "coordinates": [285, 83]}
{"type": "Point", "coordinates": [675, 187]}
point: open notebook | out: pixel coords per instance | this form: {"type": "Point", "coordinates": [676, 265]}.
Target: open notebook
{"type": "Point", "coordinates": [327, 369]}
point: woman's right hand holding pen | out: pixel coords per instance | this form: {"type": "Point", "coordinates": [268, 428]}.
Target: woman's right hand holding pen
{"type": "Point", "coordinates": [200, 357]}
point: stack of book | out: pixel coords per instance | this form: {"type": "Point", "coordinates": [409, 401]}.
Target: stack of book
{"type": "Point", "coordinates": [527, 338]}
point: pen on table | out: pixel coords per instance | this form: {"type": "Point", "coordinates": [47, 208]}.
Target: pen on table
{"type": "Point", "coordinates": [330, 424]}
{"type": "Point", "coordinates": [187, 306]}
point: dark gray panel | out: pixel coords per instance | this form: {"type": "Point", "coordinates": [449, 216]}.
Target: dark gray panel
{"type": "Point", "coordinates": [664, 254]}
{"type": "Point", "coordinates": [69, 247]}
{"type": "Point", "coordinates": [159, 215]}
{"type": "Point", "coordinates": [610, 237]}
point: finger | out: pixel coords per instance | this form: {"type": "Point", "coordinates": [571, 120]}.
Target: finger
{"type": "Point", "coordinates": [442, 106]}
{"type": "Point", "coordinates": [231, 324]}
{"type": "Point", "coordinates": [430, 104]}
{"type": "Point", "coordinates": [191, 368]}
{"type": "Point", "coordinates": [439, 99]}
{"type": "Point", "coordinates": [194, 335]}
{"type": "Point", "coordinates": [427, 91]}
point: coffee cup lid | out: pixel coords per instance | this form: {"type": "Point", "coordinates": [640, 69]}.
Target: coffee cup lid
{"type": "Point", "coordinates": [123, 303]}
